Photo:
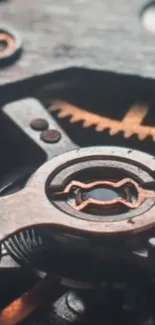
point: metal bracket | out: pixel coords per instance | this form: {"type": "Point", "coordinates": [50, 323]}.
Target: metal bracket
{"type": "Point", "coordinates": [23, 112]}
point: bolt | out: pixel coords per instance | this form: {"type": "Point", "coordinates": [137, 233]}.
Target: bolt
{"type": "Point", "coordinates": [39, 124]}
{"type": "Point", "coordinates": [75, 303]}
{"type": "Point", "coordinates": [50, 136]}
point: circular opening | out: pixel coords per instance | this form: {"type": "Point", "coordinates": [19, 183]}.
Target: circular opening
{"type": "Point", "coordinates": [105, 194]}
{"type": "Point", "coordinates": [148, 17]}
{"type": "Point", "coordinates": [101, 194]}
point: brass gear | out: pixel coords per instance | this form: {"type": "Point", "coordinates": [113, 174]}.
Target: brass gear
{"type": "Point", "coordinates": [130, 125]}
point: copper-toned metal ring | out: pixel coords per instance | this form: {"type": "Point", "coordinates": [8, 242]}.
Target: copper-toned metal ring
{"type": "Point", "coordinates": [142, 194]}
{"type": "Point", "coordinates": [10, 44]}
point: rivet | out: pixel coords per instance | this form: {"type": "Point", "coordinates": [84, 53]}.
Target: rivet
{"type": "Point", "coordinates": [39, 124]}
{"type": "Point", "coordinates": [50, 136]}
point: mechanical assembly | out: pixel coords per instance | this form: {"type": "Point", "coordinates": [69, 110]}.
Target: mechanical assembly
{"type": "Point", "coordinates": [92, 206]}
{"type": "Point", "coordinates": [77, 163]}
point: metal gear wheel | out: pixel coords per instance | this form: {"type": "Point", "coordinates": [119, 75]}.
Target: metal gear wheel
{"type": "Point", "coordinates": [130, 125]}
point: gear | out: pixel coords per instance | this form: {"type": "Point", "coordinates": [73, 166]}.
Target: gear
{"type": "Point", "coordinates": [130, 125]}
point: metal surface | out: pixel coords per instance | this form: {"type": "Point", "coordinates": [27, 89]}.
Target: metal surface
{"type": "Point", "coordinates": [74, 38]}
{"type": "Point", "coordinates": [70, 308]}
{"type": "Point", "coordinates": [96, 163]}
{"type": "Point", "coordinates": [53, 216]}
{"type": "Point", "coordinates": [34, 216]}
{"type": "Point", "coordinates": [44, 227]}
{"type": "Point", "coordinates": [23, 112]}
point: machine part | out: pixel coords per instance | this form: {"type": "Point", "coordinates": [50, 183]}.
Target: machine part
{"type": "Point", "coordinates": [93, 43]}
{"type": "Point", "coordinates": [93, 308]}
{"type": "Point", "coordinates": [108, 160]}
{"type": "Point", "coordinates": [101, 164]}
{"type": "Point", "coordinates": [26, 117]}
{"type": "Point", "coordinates": [51, 136]}
{"type": "Point", "coordinates": [10, 45]}
{"type": "Point", "coordinates": [69, 308]}
{"type": "Point", "coordinates": [89, 51]}
{"type": "Point", "coordinates": [22, 307]}
{"type": "Point", "coordinates": [130, 125]}
{"type": "Point", "coordinates": [39, 124]}
{"type": "Point", "coordinates": [23, 120]}
{"type": "Point", "coordinates": [103, 187]}
{"type": "Point", "coordinates": [44, 227]}
{"type": "Point", "coordinates": [33, 151]}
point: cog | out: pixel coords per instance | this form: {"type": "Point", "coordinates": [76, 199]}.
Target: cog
{"type": "Point", "coordinates": [130, 125]}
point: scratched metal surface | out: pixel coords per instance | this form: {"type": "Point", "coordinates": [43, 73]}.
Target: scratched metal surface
{"type": "Point", "coordinates": [102, 34]}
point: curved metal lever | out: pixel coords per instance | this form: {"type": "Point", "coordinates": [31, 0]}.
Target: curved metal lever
{"type": "Point", "coordinates": [17, 311]}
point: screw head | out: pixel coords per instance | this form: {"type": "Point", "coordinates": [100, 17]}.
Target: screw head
{"type": "Point", "coordinates": [50, 136]}
{"type": "Point", "coordinates": [39, 124]}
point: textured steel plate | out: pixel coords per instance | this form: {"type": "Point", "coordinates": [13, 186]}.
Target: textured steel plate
{"type": "Point", "coordinates": [100, 34]}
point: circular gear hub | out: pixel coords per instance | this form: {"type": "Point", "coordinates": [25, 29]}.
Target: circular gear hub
{"type": "Point", "coordinates": [91, 212]}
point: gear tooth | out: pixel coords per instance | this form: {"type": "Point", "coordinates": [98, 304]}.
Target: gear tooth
{"type": "Point", "coordinates": [62, 114]}
{"type": "Point", "coordinates": [142, 136]}
{"type": "Point", "coordinates": [100, 128]}
{"type": "Point", "coordinates": [55, 108]}
{"type": "Point", "coordinates": [114, 131]}
{"type": "Point", "coordinates": [74, 119]}
{"type": "Point", "coordinates": [128, 126]}
{"type": "Point", "coordinates": [141, 253]}
{"type": "Point", "coordinates": [87, 124]}
{"type": "Point", "coordinates": [128, 133]}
